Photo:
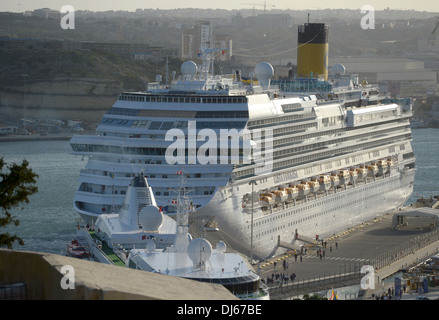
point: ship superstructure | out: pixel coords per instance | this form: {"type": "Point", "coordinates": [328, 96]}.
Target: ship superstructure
{"type": "Point", "coordinates": [311, 156]}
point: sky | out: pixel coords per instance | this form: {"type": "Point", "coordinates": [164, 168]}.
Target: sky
{"type": "Point", "coordinates": [132, 5]}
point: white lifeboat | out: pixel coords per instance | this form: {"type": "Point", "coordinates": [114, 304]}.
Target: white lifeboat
{"type": "Point", "coordinates": [325, 182]}
{"type": "Point", "coordinates": [382, 167]}
{"type": "Point", "coordinates": [314, 186]}
{"type": "Point", "coordinates": [391, 164]}
{"type": "Point", "coordinates": [292, 192]}
{"type": "Point", "coordinates": [335, 180]}
{"type": "Point", "coordinates": [303, 189]}
{"type": "Point", "coordinates": [266, 201]}
{"type": "Point", "coordinates": [344, 176]}
{"type": "Point", "coordinates": [373, 169]}
{"type": "Point", "coordinates": [280, 195]}
{"type": "Point", "coordinates": [354, 175]}
{"type": "Point", "coordinates": [362, 172]}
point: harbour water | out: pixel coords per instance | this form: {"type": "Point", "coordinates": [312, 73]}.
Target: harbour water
{"type": "Point", "coordinates": [49, 222]}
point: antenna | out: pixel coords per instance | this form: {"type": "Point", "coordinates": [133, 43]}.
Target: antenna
{"type": "Point", "coordinates": [184, 206]}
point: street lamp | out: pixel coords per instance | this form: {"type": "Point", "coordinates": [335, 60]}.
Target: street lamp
{"type": "Point", "coordinates": [253, 183]}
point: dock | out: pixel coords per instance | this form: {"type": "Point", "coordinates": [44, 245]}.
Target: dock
{"type": "Point", "coordinates": [336, 262]}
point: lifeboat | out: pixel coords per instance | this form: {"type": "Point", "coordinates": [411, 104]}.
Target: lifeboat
{"type": "Point", "coordinates": [280, 195]}
{"type": "Point", "coordinates": [354, 175]}
{"type": "Point", "coordinates": [382, 166]}
{"type": "Point", "coordinates": [335, 180]}
{"type": "Point", "coordinates": [303, 189]}
{"type": "Point", "coordinates": [292, 192]}
{"type": "Point", "coordinates": [362, 172]}
{"type": "Point", "coordinates": [373, 169]}
{"type": "Point", "coordinates": [325, 182]}
{"type": "Point", "coordinates": [76, 250]}
{"type": "Point", "coordinates": [344, 176]}
{"type": "Point", "coordinates": [266, 201]}
{"type": "Point", "coordinates": [390, 164]}
{"type": "Point", "coordinates": [314, 186]}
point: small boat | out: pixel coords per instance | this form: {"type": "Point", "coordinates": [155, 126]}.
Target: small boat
{"type": "Point", "coordinates": [292, 192]}
{"type": "Point", "coordinates": [335, 180]}
{"type": "Point", "coordinates": [325, 182]}
{"type": "Point", "coordinates": [382, 167]}
{"type": "Point", "coordinates": [362, 172]}
{"type": "Point", "coordinates": [373, 169]}
{"type": "Point", "coordinates": [280, 195]}
{"type": "Point", "coordinates": [266, 201]}
{"type": "Point", "coordinates": [354, 175]}
{"type": "Point", "coordinates": [314, 186]}
{"type": "Point", "coordinates": [344, 176]}
{"type": "Point", "coordinates": [303, 189]}
{"type": "Point", "coordinates": [391, 164]}
{"type": "Point", "coordinates": [78, 250]}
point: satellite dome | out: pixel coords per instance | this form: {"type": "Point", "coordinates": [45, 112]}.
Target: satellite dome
{"type": "Point", "coordinates": [199, 251]}
{"type": "Point", "coordinates": [264, 71]}
{"type": "Point", "coordinates": [150, 218]}
{"type": "Point", "coordinates": [264, 68]}
{"type": "Point", "coordinates": [221, 246]}
{"type": "Point", "coordinates": [189, 68]}
{"type": "Point", "coordinates": [338, 69]}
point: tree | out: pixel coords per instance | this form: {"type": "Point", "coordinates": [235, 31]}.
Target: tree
{"type": "Point", "coordinates": [17, 183]}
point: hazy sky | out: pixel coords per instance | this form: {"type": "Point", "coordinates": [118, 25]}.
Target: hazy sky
{"type": "Point", "coordinates": [131, 5]}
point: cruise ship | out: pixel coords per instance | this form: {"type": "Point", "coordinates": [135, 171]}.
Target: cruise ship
{"type": "Point", "coordinates": [269, 161]}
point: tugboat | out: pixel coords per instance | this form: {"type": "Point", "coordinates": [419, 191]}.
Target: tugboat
{"type": "Point", "coordinates": [78, 250]}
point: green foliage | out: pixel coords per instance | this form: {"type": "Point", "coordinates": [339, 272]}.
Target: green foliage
{"type": "Point", "coordinates": [17, 183]}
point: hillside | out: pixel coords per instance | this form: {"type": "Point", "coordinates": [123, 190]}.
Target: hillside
{"type": "Point", "coordinates": [69, 84]}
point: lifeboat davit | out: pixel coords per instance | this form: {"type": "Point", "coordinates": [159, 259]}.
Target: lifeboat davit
{"type": "Point", "coordinates": [325, 182]}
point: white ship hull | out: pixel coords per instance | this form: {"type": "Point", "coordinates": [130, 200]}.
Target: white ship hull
{"type": "Point", "coordinates": [323, 216]}
{"type": "Point", "coordinates": [312, 136]}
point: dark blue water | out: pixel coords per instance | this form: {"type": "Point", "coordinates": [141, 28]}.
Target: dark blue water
{"type": "Point", "coordinates": [48, 222]}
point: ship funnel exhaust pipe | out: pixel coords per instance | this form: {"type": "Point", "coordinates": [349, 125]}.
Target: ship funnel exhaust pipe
{"type": "Point", "coordinates": [312, 52]}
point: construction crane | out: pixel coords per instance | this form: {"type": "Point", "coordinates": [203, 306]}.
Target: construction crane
{"type": "Point", "coordinates": [259, 4]}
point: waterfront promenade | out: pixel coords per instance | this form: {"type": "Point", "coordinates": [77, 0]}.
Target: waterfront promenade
{"type": "Point", "coordinates": [375, 243]}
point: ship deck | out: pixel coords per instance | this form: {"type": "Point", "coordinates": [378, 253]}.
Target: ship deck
{"type": "Point", "coordinates": [109, 253]}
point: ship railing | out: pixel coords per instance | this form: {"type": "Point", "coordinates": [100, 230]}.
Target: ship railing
{"type": "Point", "coordinates": [95, 249]}
{"type": "Point", "coordinates": [284, 288]}
{"type": "Point", "coordinates": [121, 255]}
